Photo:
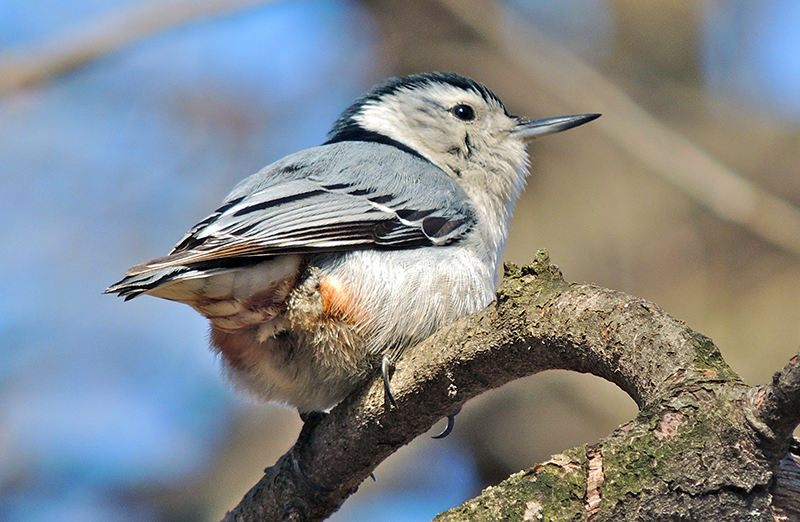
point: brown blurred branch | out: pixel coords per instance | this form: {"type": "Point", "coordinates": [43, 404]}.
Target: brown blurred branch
{"type": "Point", "coordinates": [79, 45]}
{"type": "Point", "coordinates": [692, 453]}
{"type": "Point", "coordinates": [536, 59]}
{"type": "Point", "coordinates": [471, 33]}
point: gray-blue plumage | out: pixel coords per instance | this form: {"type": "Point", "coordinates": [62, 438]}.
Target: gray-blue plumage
{"type": "Point", "coordinates": [356, 193]}
{"type": "Point", "coordinates": [334, 197]}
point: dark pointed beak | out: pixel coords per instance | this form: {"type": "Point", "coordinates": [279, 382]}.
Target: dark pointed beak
{"type": "Point", "coordinates": [530, 129]}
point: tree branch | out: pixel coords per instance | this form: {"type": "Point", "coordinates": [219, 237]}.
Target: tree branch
{"type": "Point", "coordinates": [777, 405]}
{"type": "Point", "coordinates": [687, 394]}
{"type": "Point", "coordinates": [84, 43]}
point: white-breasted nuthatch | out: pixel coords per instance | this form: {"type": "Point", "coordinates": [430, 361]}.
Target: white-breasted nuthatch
{"type": "Point", "coordinates": [336, 258]}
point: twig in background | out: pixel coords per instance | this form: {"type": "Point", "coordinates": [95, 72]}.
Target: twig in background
{"type": "Point", "coordinates": [104, 34]}
{"type": "Point", "coordinates": [668, 153]}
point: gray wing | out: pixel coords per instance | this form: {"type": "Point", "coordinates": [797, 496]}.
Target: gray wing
{"type": "Point", "coordinates": [335, 197]}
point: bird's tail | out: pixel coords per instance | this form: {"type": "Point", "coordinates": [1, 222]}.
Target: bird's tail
{"type": "Point", "coordinates": [144, 278]}
{"type": "Point", "coordinates": [168, 278]}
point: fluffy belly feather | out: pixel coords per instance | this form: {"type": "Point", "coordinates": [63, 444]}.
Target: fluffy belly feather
{"type": "Point", "coordinates": [306, 332]}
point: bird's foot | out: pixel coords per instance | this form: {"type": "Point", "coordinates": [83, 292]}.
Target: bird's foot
{"type": "Point", "coordinates": [386, 366]}
{"type": "Point", "coordinates": [451, 422]}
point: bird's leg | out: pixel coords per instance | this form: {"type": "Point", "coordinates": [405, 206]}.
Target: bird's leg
{"type": "Point", "coordinates": [386, 365]}
{"type": "Point", "coordinates": [385, 368]}
{"type": "Point", "coordinates": [451, 422]}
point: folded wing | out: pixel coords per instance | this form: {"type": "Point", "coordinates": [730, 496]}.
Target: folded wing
{"type": "Point", "coordinates": [336, 197]}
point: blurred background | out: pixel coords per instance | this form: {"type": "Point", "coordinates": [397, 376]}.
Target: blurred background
{"type": "Point", "coordinates": [124, 122]}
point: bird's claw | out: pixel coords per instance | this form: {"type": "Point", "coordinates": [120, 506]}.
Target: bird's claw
{"type": "Point", "coordinates": [307, 481]}
{"type": "Point", "coordinates": [385, 367]}
{"type": "Point", "coordinates": [451, 422]}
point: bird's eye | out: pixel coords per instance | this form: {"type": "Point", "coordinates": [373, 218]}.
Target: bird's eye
{"type": "Point", "coordinates": [463, 112]}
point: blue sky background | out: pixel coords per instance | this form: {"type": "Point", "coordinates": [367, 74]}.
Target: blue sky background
{"type": "Point", "coordinates": [109, 165]}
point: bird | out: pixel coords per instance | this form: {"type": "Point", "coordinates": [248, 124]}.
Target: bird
{"type": "Point", "coordinates": [324, 266]}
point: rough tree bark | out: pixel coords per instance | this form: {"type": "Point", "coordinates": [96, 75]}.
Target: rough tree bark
{"type": "Point", "coordinates": [704, 446]}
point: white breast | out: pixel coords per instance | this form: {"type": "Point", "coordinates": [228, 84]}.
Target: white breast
{"type": "Point", "coordinates": [407, 295]}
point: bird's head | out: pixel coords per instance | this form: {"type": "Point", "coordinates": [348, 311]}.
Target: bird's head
{"type": "Point", "coordinates": [454, 122]}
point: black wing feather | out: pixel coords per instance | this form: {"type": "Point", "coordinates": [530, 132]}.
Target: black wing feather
{"type": "Point", "coordinates": [344, 195]}
{"type": "Point", "coordinates": [336, 197]}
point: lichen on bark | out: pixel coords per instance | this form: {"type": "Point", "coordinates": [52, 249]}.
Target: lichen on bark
{"type": "Point", "coordinates": [704, 446]}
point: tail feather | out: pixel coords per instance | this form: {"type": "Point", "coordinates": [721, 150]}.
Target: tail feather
{"type": "Point", "coordinates": [218, 279]}
{"type": "Point", "coordinates": [139, 281]}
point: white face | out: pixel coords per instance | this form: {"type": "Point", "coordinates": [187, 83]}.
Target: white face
{"type": "Point", "coordinates": [458, 130]}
